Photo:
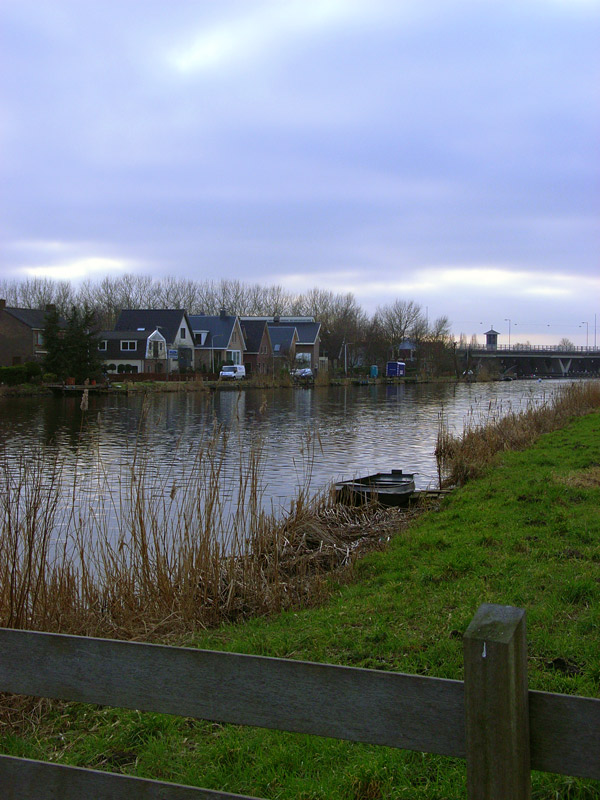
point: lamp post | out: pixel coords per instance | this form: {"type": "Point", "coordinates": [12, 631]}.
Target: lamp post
{"type": "Point", "coordinates": [346, 357]}
{"type": "Point", "coordinates": [506, 319]}
{"type": "Point", "coordinates": [587, 332]}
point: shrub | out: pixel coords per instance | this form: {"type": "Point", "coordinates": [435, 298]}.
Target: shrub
{"type": "Point", "coordinates": [22, 373]}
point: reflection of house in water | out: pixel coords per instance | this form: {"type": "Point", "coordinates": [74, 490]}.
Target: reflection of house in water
{"type": "Point", "coordinates": [231, 407]}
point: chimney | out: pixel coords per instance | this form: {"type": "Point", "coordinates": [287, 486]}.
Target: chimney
{"type": "Point", "coordinates": [50, 307]}
{"type": "Point", "coordinates": [276, 320]}
{"type": "Point", "coordinates": [223, 313]}
{"type": "Point", "coordinates": [2, 304]}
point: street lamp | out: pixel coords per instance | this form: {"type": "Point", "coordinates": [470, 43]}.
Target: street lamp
{"type": "Point", "coordinates": [587, 331]}
{"type": "Point", "coordinates": [506, 319]}
{"type": "Point", "coordinates": [346, 357]}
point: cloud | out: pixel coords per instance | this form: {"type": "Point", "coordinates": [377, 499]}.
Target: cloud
{"type": "Point", "coordinates": [92, 267]}
{"type": "Point", "coordinates": [61, 260]}
{"type": "Point", "coordinates": [240, 38]}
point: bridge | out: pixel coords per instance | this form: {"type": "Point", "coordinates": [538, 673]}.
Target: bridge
{"type": "Point", "coordinates": [531, 359]}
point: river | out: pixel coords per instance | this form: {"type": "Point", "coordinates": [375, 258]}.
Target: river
{"type": "Point", "coordinates": [308, 436]}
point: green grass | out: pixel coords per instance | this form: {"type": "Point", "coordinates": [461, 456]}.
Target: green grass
{"type": "Point", "coordinates": [527, 533]}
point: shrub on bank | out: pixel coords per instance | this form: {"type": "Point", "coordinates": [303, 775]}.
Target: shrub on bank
{"type": "Point", "coordinates": [23, 373]}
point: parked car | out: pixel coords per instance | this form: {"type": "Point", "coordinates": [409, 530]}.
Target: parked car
{"type": "Point", "coordinates": [306, 372]}
{"type": "Point", "coordinates": [235, 372]}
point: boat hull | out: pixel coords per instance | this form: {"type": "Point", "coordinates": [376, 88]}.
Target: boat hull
{"type": "Point", "coordinates": [386, 488]}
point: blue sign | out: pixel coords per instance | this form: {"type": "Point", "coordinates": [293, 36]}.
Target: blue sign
{"type": "Point", "coordinates": [173, 354]}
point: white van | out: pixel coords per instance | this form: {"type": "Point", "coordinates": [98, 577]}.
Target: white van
{"type": "Point", "coordinates": [235, 372]}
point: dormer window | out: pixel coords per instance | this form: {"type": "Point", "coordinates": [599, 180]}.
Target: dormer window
{"type": "Point", "coordinates": [103, 344]}
{"type": "Point", "coordinates": [128, 344]}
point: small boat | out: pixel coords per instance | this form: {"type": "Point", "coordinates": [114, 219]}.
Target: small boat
{"type": "Point", "coordinates": [388, 488]}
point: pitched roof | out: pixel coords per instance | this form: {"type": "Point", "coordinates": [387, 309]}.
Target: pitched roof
{"type": "Point", "coordinates": [253, 330]}
{"type": "Point", "coordinates": [123, 335]}
{"type": "Point", "coordinates": [282, 337]}
{"type": "Point", "coordinates": [308, 329]}
{"type": "Point", "coordinates": [219, 329]}
{"type": "Point", "coordinates": [308, 332]}
{"type": "Point", "coordinates": [168, 321]}
{"type": "Point", "coordinates": [32, 317]}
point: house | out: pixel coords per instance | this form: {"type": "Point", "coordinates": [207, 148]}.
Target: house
{"type": "Point", "coordinates": [217, 339]}
{"type": "Point", "coordinates": [173, 326]}
{"type": "Point", "coordinates": [307, 349]}
{"type": "Point", "coordinates": [258, 356]}
{"type": "Point", "coordinates": [284, 340]}
{"type": "Point", "coordinates": [22, 334]}
{"type": "Point", "coordinates": [133, 351]}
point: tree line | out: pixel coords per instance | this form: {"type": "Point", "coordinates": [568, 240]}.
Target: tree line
{"type": "Point", "coordinates": [346, 329]}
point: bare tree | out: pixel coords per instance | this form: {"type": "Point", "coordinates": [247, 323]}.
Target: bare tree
{"type": "Point", "coordinates": [566, 344]}
{"type": "Point", "coordinates": [399, 320]}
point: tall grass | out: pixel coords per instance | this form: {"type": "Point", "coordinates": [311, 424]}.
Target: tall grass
{"type": "Point", "coordinates": [168, 547]}
{"type": "Point", "coordinates": [495, 429]}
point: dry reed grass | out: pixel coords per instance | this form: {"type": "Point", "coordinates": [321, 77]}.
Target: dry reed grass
{"type": "Point", "coordinates": [170, 548]}
{"type": "Point", "coordinates": [461, 458]}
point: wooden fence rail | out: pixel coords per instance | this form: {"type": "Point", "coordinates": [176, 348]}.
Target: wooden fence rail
{"type": "Point", "coordinates": [492, 720]}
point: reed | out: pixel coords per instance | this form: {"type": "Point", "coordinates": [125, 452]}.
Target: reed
{"type": "Point", "coordinates": [497, 428]}
{"type": "Point", "coordinates": [166, 548]}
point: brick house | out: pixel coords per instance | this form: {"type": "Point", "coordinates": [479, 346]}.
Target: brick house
{"type": "Point", "coordinates": [258, 356]}
{"type": "Point", "coordinates": [22, 334]}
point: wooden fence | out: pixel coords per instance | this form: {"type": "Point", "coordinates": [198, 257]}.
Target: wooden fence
{"type": "Point", "coordinates": [492, 719]}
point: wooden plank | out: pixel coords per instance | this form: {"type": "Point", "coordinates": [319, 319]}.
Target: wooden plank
{"type": "Point", "coordinates": [565, 734]}
{"type": "Point", "coordinates": [565, 730]}
{"type": "Point", "coordinates": [24, 779]}
{"type": "Point", "coordinates": [496, 705]}
{"type": "Point", "coordinates": [387, 708]}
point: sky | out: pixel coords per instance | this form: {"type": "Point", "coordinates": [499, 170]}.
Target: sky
{"type": "Point", "coordinates": [440, 151]}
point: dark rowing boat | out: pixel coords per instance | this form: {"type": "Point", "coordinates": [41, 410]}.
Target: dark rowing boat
{"type": "Point", "coordinates": [388, 488]}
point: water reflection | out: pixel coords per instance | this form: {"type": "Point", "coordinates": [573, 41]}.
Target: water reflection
{"type": "Point", "coordinates": [361, 429]}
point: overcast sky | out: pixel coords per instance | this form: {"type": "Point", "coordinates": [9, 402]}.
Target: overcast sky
{"type": "Point", "coordinates": [442, 151]}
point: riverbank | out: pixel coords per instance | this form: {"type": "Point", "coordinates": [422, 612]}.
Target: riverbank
{"type": "Point", "coordinates": [525, 533]}
{"type": "Point", "coordinates": [199, 384]}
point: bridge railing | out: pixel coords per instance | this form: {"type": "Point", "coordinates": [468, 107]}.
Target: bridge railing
{"type": "Point", "coordinates": [535, 348]}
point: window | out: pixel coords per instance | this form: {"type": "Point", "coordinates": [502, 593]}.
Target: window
{"type": "Point", "coordinates": [102, 344]}
{"type": "Point", "coordinates": [182, 333]}
{"type": "Point", "coordinates": [155, 349]}
{"type": "Point", "coordinates": [38, 338]}
{"type": "Point", "coordinates": [128, 344]}
{"type": "Point", "coordinates": [234, 355]}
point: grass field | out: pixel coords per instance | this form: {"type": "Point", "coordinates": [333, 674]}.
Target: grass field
{"type": "Point", "coordinates": [526, 533]}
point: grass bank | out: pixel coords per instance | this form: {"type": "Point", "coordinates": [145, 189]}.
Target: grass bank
{"type": "Point", "coordinates": [525, 533]}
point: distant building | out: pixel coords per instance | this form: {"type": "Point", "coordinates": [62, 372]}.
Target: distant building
{"type": "Point", "coordinates": [258, 356]}
{"type": "Point", "coordinates": [217, 339]}
{"type": "Point", "coordinates": [491, 339]}
{"type": "Point", "coordinates": [307, 347]}
{"type": "Point", "coordinates": [284, 340]}
{"type": "Point", "coordinates": [135, 328]}
{"type": "Point", "coordinates": [22, 334]}
{"type": "Point", "coordinates": [133, 351]}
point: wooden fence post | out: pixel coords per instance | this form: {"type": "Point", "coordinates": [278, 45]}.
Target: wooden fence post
{"type": "Point", "coordinates": [496, 705]}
